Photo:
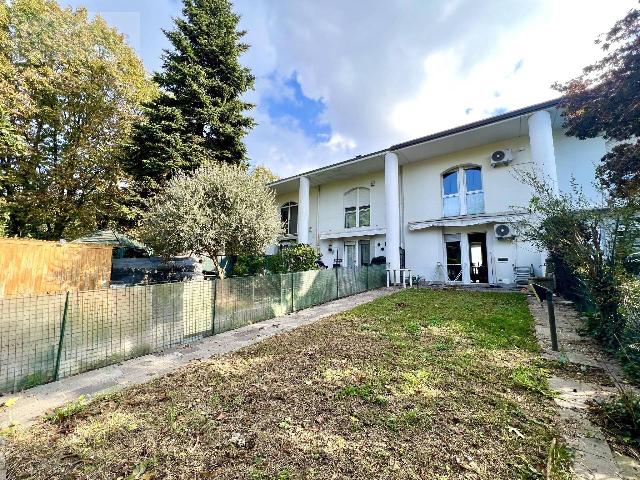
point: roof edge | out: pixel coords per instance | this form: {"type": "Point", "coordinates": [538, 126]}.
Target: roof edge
{"type": "Point", "coordinates": [434, 136]}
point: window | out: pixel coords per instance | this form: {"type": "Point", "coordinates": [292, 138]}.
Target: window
{"type": "Point", "coordinates": [462, 192]}
{"type": "Point", "coordinates": [357, 208]}
{"type": "Point", "coordinates": [450, 197]}
{"type": "Point", "coordinates": [289, 218]}
{"type": "Point", "coordinates": [475, 195]}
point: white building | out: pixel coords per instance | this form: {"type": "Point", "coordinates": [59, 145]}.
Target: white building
{"type": "Point", "coordinates": [438, 204]}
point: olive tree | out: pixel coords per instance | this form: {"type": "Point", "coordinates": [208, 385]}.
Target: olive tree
{"type": "Point", "coordinates": [217, 210]}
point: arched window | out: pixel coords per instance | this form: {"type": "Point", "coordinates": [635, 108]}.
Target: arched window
{"type": "Point", "coordinates": [289, 217]}
{"type": "Point", "coordinates": [462, 192]}
{"type": "Point", "coordinates": [357, 208]}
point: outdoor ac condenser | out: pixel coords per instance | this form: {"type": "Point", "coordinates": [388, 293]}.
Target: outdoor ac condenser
{"type": "Point", "coordinates": [503, 231]}
{"type": "Point", "coordinates": [501, 157]}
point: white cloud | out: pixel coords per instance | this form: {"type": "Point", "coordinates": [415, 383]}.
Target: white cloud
{"type": "Point", "coordinates": [390, 71]}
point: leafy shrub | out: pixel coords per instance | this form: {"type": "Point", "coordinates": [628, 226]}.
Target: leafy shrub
{"type": "Point", "coordinates": [249, 265]}
{"type": "Point", "coordinates": [297, 258]}
{"type": "Point", "coordinates": [300, 257]}
{"type": "Point", "coordinates": [276, 263]}
{"type": "Point", "coordinates": [630, 338]}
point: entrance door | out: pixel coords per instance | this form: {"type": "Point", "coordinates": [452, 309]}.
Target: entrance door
{"type": "Point", "coordinates": [454, 257]}
{"type": "Point", "coordinates": [350, 255]}
{"type": "Point", "coordinates": [478, 257]}
{"type": "Point", "coordinates": [365, 252]}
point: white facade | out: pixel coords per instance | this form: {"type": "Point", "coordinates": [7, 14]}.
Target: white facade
{"type": "Point", "coordinates": [432, 204]}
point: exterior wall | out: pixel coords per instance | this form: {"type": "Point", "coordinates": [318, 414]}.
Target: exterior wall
{"type": "Point", "coordinates": [331, 218]}
{"type": "Point", "coordinates": [421, 200]}
{"type": "Point", "coordinates": [578, 159]}
{"type": "Point", "coordinates": [422, 181]}
{"type": "Point", "coordinates": [376, 242]}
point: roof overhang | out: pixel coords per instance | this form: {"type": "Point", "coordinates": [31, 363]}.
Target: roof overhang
{"type": "Point", "coordinates": [466, 220]}
{"type": "Point", "coordinates": [491, 130]}
{"type": "Point", "coordinates": [352, 232]}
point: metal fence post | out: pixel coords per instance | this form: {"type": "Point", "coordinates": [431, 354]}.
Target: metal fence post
{"type": "Point", "coordinates": [552, 321]}
{"type": "Point", "coordinates": [337, 284]}
{"type": "Point", "coordinates": [56, 372]}
{"type": "Point", "coordinates": [366, 268]}
{"type": "Point", "coordinates": [291, 292]}
{"type": "Point", "coordinates": [215, 298]}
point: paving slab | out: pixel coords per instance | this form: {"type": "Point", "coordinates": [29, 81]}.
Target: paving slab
{"type": "Point", "coordinates": [33, 403]}
{"type": "Point", "coordinates": [593, 457]}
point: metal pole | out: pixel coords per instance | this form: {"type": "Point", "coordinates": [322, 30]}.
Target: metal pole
{"type": "Point", "coordinates": [215, 298]}
{"type": "Point", "coordinates": [291, 292]}
{"type": "Point", "coordinates": [56, 372]}
{"type": "Point", "coordinates": [337, 285]}
{"type": "Point", "coordinates": [552, 321]}
{"type": "Point", "coordinates": [366, 269]}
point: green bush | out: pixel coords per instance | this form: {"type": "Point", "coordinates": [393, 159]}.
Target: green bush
{"type": "Point", "coordinates": [297, 258]}
{"type": "Point", "coordinates": [630, 338]}
{"type": "Point", "coordinates": [249, 265]}
{"type": "Point", "coordinates": [276, 264]}
{"type": "Point", "coordinates": [300, 257]}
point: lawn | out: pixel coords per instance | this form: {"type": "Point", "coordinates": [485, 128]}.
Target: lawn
{"type": "Point", "coordinates": [421, 384]}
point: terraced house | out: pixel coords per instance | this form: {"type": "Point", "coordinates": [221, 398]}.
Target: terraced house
{"type": "Point", "coordinates": [442, 205]}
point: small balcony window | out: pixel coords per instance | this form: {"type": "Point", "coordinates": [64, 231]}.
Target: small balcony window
{"type": "Point", "coordinates": [289, 218]}
{"type": "Point", "coordinates": [462, 192]}
{"type": "Point", "coordinates": [357, 208]}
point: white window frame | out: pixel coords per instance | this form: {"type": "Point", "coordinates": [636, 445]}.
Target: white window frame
{"type": "Point", "coordinates": [288, 206]}
{"type": "Point", "coordinates": [353, 244]}
{"type": "Point", "coordinates": [462, 189]}
{"type": "Point", "coordinates": [357, 207]}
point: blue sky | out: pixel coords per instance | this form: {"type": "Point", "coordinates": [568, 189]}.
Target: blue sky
{"type": "Point", "coordinates": [336, 78]}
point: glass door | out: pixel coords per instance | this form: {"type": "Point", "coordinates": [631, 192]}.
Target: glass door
{"type": "Point", "coordinates": [365, 252]}
{"type": "Point", "coordinates": [454, 257]}
{"type": "Point", "coordinates": [350, 255]}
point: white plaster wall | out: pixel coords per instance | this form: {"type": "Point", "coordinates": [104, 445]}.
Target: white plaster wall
{"type": "Point", "coordinates": [502, 189]}
{"type": "Point", "coordinates": [423, 250]}
{"type": "Point", "coordinates": [421, 199]}
{"type": "Point", "coordinates": [377, 248]}
{"type": "Point", "coordinates": [331, 218]}
{"type": "Point", "coordinates": [578, 159]}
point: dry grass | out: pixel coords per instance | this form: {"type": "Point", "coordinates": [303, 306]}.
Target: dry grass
{"type": "Point", "coordinates": [421, 384]}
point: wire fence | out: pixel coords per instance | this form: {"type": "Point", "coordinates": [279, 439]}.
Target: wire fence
{"type": "Point", "coordinates": [44, 338]}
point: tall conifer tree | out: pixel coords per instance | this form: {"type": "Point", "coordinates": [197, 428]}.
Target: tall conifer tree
{"type": "Point", "coordinates": [200, 113]}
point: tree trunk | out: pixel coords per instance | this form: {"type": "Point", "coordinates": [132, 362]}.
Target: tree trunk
{"type": "Point", "coordinates": [219, 268]}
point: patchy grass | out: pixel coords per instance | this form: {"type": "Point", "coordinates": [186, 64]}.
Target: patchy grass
{"type": "Point", "coordinates": [420, 384]}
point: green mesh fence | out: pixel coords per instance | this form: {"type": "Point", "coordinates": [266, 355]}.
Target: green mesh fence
{"type": "Point", "coordinates": [103, 327]}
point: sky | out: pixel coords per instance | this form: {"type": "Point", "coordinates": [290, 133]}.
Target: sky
{"type": "Point", "coordinates": [338, 78]}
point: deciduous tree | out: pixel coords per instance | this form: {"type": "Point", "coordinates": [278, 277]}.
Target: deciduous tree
{"type": "Point", "coordinates": [218, 210]}
{"type": "Point", "coordinates": [605, 99]}
{"type": "Point", "coordinates": [70, 91]}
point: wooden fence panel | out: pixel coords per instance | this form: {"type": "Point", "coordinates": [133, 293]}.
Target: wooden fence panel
{"type": "Point", "coordinates": [33, 267]}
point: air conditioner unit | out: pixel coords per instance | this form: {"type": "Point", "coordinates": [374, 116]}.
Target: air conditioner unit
{"type": "Point", "coordinates": [501, 157]}
{"type": "Point", "coordinates": [503, 231]}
